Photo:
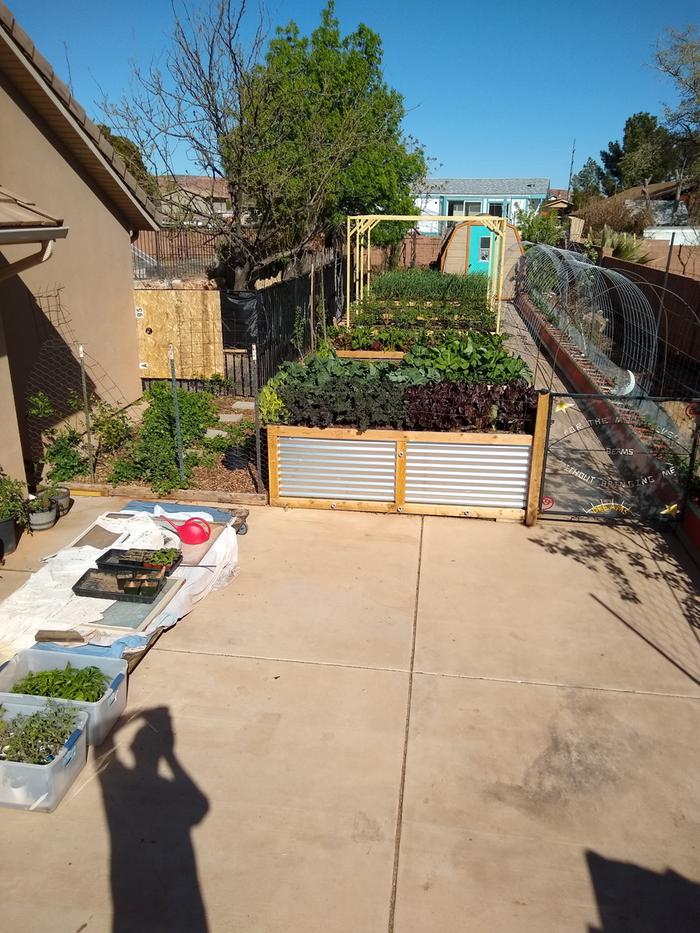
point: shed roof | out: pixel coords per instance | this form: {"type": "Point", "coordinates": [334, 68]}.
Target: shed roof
{"type": "Point", "coordinates": [32, 75]}
{"type": "Point", "coordinates": [501, 187]}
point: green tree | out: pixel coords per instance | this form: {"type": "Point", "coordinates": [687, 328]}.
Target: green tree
{"type": "Point", "coordinates": [586, 184]}
{"type": "Point", "coordinates": [303, 130]}
{"type": "Point", "coordinates": [679, 58]}
{"type": "Point", "coordinates": [612, 174]}
{"type": "Point", "coordinates": [536, 227]}
{"type": "Point", "coordinates": [133, 159]}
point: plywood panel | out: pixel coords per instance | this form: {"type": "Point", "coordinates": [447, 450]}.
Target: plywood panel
{"type": "Point", "coordinates": [190, 319]}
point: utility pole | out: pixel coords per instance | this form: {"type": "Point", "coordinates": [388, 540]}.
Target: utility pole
{"type": "Point", "coordinates": [571, 171]}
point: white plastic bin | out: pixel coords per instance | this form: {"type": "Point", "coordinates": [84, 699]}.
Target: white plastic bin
{"type": "Point", "coordinates": [42, 787]}
{"type": "Point", "coordinates": [103, 714]}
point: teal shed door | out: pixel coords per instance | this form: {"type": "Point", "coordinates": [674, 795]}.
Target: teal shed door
{"type": "Point", "coordinates": [479, 247]}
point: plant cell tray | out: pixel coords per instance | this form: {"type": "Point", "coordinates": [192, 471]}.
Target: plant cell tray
{"type": "Point", "coordinates": [113, 561]}
{"type": "Point", "coordinates": [101, 584]}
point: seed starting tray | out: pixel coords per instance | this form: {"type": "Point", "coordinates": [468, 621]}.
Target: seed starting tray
{"type": "Point", "coordinates": [101, 584]}
{"type": "Point", "coordinates": [115, 559]}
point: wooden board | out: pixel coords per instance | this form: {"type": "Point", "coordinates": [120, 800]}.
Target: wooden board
{"type": "Point", "coordinates": [370, 354]}
{"type": "Point", "coordinates": [377, 434]}
{"type": "Point", "coordinates": [188, 318]}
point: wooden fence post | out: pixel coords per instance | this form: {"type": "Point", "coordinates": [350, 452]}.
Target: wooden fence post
{"type": "Point", "coordinates": [539, 440]}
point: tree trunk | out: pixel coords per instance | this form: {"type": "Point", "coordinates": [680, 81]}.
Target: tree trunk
{"type": "Point", "coordinates": [241, 278]}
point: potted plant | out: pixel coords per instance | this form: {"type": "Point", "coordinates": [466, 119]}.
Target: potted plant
{"type": "Point", "coordinates": [13, 511]}
{"type": "Point", "coordinates": [63, 501]}
{"type": "Point", "coordinates": [43, 510]}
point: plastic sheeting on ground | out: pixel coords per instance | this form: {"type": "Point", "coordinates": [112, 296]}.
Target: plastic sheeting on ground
{"type": "Point", "coordinates": [46, 600]}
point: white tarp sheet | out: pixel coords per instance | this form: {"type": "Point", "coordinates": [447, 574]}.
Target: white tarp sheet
{"type": "Point", "coordinates": [46, 600]}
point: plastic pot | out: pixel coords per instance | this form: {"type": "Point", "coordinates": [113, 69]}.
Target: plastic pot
{"type": "Point", "coordinates": [44, 519]}
{"type": "Point", "coordinates": [63, 500]}
{"type": "Point", "coordinates": [8, 537]}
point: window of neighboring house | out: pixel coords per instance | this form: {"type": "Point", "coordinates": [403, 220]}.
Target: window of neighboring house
{"type": "Point", "coordinates": [496, 208]}
{"type": "Point", "coordinates": [219, 205]}
{"type": "Point", "coordinates": [463, 208]}
{"type": "Point", "coordinates": [484, 248]}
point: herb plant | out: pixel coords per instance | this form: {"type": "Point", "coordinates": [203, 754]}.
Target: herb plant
{"type": "Point", "coordinates": [87, 684]}
{"type": "Point", "coordinates": [35, 739]}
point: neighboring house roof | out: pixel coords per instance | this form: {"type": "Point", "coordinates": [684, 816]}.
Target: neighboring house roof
{"type": "Point", "coordinates": [500, 187]}
{"type": "Point", "coordinates": [32, 75]}
{"type": "Point", "coordinates": [662, 190]}
{"type": "Point", "coordinates": [201, 185]}
{"type": "Point", "coordinates": [559, 193]}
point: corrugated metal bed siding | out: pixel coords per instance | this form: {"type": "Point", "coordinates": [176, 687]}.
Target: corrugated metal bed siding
{"type": "Point", "coordinates": [486, 476]}
{"type": "Point", "coordinates": [316, 468]}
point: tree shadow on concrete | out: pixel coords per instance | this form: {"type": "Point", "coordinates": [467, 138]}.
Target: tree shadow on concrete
{"type": "Point", "coordinates": [632, 899]}
{"type": "Point", "coordinates": [155, 884]}
{"type": "Point", "coordinates": [645, 580]}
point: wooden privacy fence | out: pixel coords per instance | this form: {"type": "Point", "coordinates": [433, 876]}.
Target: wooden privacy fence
{"type": "Point", "coordinates": [489, 475]}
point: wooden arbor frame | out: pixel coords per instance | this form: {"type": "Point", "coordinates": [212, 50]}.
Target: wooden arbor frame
{"type": "Point", "coordinates": [359, 266]}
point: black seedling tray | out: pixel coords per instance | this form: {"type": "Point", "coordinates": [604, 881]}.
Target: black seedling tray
{"type": "Point", "coordinates": [101, 584]}
{"type": "Point", "coordinates": [111, 561]}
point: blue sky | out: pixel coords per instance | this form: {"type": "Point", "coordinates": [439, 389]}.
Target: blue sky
{"type": "Point", "coordinates": [492, 89]}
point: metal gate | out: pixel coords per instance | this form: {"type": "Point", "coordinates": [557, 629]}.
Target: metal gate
{"type": "Point", "coordinates": [620, 457]}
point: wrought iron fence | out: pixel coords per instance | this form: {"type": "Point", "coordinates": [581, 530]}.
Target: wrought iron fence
{"type": "Point", "coordinates": [173, 254]}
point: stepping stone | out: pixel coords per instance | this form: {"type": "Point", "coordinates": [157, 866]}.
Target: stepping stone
{"type": "Point", "coordinates": [241, 405]}
{"type": "Point", "coordinates": [216, 432]}
{"type": "Point", "coordinates": [228, 417]}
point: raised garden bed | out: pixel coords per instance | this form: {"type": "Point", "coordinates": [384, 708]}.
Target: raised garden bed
{"type": "Point", "coordinates": [469, 474]}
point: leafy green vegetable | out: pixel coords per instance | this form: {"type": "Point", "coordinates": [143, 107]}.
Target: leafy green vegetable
{"type": "Point", "coordinates": [86, 684]}
{"type": "Point", "coordinates": [478, 358]}
{"type": "Point", "coordinates": [37, 738]}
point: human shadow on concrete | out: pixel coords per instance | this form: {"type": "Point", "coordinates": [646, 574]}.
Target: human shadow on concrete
{"type": "Point", "coordinates": [154, 879]}
{"type": "Point", "coordinates": [632, 899]}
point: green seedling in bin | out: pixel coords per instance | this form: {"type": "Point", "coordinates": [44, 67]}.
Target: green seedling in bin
{"type": "Point", "coordinates": [35, 739]}
{"type": "Point", "coordinates": [86, 684]}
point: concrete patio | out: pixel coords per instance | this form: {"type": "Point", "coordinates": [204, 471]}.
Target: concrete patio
{"type": "Point", "coordinates": [389, 723]}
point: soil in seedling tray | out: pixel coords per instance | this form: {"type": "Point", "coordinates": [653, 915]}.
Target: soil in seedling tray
{"type": "Point", "coordinates": [101, 584]}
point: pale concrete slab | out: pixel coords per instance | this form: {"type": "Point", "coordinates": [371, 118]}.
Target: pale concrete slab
{"type": "Point", "coordinates": [275, 807]}
{"type": "Point", "coordinates": [85, 509]}
{"type": "Point", "coordinates": [228, 417]}
{"type": "Point", "coordinates": [575, 604]}
{"type": "Point", "coordinates": [521, 801]}
{"type": "Point", "coordinates": [336, 587]}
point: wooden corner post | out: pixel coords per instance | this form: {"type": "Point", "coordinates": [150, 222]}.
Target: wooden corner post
{"type": "Point", "coordinates": [539, 440]}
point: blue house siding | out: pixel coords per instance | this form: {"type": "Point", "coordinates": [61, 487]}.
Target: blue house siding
{"type": "Point", "coordinates": [478, 196]}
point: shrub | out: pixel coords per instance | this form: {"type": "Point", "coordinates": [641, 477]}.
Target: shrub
{"type": "Point", "coordinates": [614, 213]}
{"type": "Point", "coordinates": [152, 457]}
{"type": "Point", "coordinates": [64, 454]}
{"type": "Point", "coordinates": [112, 427]}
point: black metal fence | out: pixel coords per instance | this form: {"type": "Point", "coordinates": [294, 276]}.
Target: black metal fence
{"type": "Point", "coordinates": [283, 322]}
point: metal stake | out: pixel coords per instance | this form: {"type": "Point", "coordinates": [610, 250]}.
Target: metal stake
{"type": "Point", "coordinates": [176, 405]}
{"type": "Point", "coordinates": [86, 403]}
{"type": "Point", "coordinates": [258, 457]}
